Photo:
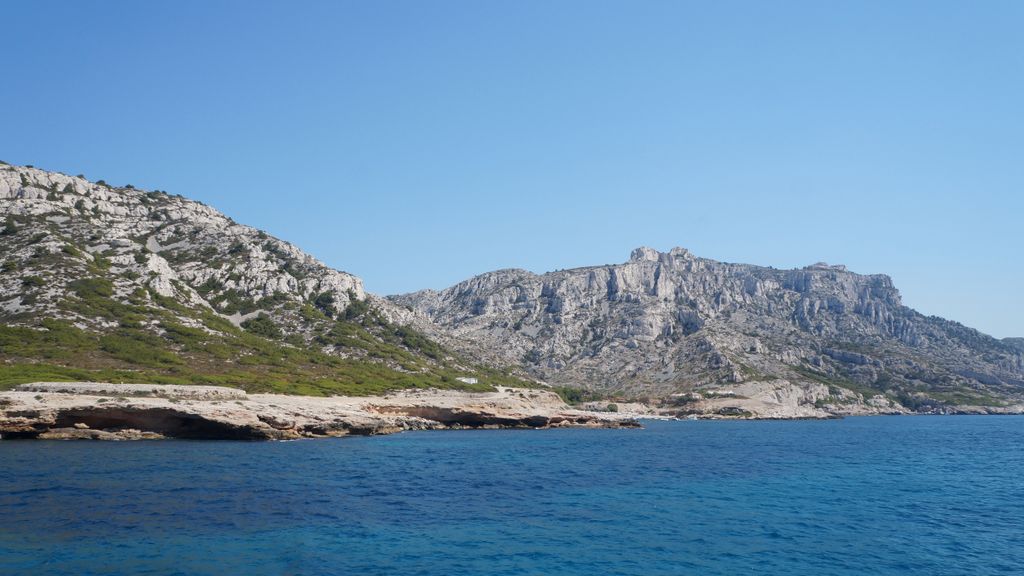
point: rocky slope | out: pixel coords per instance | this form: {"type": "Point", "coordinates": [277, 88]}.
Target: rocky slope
{"type": "Point", "coordinates": [1017, 343]}
{"type": "Point", "coordinates": [99, 282]}
{"type": "Point", "coordinates": [688, 330]}
{"type": "Point", "coordinates": [138, 412]}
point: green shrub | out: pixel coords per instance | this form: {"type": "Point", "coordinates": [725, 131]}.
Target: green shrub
{"type": "Point", "coordinates": [414, 340]}
{"type": "Point", "coordinates": [572, 395]}
{"type": "Point", "coordinates": [273, 301]}
{"type": "Point", "coordinates": [184, 335]}
{"type": "Point", "coordinates": [356, 307]}
{"type": "Point", "coordinates": [10, 228]}
{"type": "Point", "coordinates": [231, 301]}
{"type": "Point", "coordinates": [263, 326]}
{"type": "Point", "coordinates": [100, 263]}
{"type": "Point", "coordinates": [137, 347]}
{"type": "Point", "coordinates": [132, 320]}
{"type": "Point", "coordinates": [87, 288]}
{"type": "Point", "coordinates": [210, 285]}
{"type": "Point", "coordinates": [32, 281]}
{"type": "Point", "coordinates": [325, 303]}
{"type": "Point", "coordinates": [311, 314]}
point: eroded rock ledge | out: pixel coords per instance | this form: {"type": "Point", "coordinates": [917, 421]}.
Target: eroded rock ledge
{"type": "Point", "coordinates": [135, 412]}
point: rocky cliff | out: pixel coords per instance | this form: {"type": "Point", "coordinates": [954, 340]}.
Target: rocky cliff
{"type": "Point", "coordinates": [672, 325]}
{"type": "Point", "coordinates": [101, 282]}
{"type": "Point", "coordinates": [141, 412]}
{"type": "Point", "coordinates": [1017, 343]}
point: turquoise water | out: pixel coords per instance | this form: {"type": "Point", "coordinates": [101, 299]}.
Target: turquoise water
{"type": "Point", "coordinates": [885, 495]}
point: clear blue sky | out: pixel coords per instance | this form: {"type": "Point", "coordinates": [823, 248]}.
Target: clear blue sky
{"type": "Point", "coordinates": [417, 143]}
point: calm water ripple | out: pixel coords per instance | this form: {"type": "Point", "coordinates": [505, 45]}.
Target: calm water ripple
{"type": "Point", "coordinates": [911, 495]}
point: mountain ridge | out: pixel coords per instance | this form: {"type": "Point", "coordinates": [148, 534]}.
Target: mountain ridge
{"type": "Point", "coordinates": [665, 323]}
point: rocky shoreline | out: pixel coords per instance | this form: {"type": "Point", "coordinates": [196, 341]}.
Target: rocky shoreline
{"type": "Point", "coordinates": [142, 412]}
{"type": "Point", "coordinates": [783, 400]}
{"type": "Point", "coordinates": [101, 411]}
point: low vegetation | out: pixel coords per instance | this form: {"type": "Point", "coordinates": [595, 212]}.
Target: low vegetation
{"type": "Point", "coordinates": [355, 356]}
{"type": "Point", "coordinates": [924, 394]}
{"type": "Point", "coordinates": [59, 351]}
{"type": "Point", "coordinates": [571, 395]}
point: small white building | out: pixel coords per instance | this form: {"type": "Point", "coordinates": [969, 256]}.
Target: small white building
{"type": "Point", "coordinates": [467, 380]}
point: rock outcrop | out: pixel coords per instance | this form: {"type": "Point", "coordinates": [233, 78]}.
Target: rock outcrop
{"type": "Point", "coordinates": [132, 412]}
{"type": "Point", "coordinates": [670, 323]}
{"type": "Point", "coordinates": [179, 248]}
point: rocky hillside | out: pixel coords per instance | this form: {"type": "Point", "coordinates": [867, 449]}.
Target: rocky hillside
{"type": "Point", "coordinates": [99, 282]}
{"type": "Point", "coordinates": [687, 328]}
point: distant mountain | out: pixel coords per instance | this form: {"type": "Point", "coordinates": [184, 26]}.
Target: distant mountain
{"type": "Point", "coordinates": [99, 282]}
{"type": "Point", "coordinates": [671, 323]}
{"type": "Point", "coordinates": [1017, 343]}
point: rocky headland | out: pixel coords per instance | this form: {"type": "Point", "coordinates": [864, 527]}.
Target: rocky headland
{"type": "Point", "coordinates": [137, 412]}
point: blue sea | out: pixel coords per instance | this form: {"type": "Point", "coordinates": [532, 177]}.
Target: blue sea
{"type": "Point", "coordinates": [883, 495]}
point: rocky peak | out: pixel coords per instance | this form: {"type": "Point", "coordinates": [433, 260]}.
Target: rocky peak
{"type": "Point", "coordinates": [643, 254]}
{"type": "Point", "coordinates": [680, 253]}
{"type": "Point", "coordinates": [826, 266]}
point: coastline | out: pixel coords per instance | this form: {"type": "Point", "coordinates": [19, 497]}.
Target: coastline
{"type": "Point", "coordinates": [91, 411]}
{"type": "Point", "coordinates": [103, 411]}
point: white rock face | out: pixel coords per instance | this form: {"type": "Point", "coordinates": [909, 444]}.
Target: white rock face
{"type": "Point", "coordinates": [667, 323]}
{"type": "Point", "coordinates": [177, 248]}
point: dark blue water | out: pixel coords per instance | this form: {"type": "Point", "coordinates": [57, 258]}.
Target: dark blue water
{"type": "Point", "coordinates": [911, 495]}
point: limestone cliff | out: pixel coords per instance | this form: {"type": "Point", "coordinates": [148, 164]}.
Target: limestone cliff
{"type": "Point", "coordinates": [1017, 343]}
{"type": "Point", "coordinates": [671, 324]}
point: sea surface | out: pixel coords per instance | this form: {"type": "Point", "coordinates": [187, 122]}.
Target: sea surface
{"type": "Point", "coordinates": [880, 495]}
